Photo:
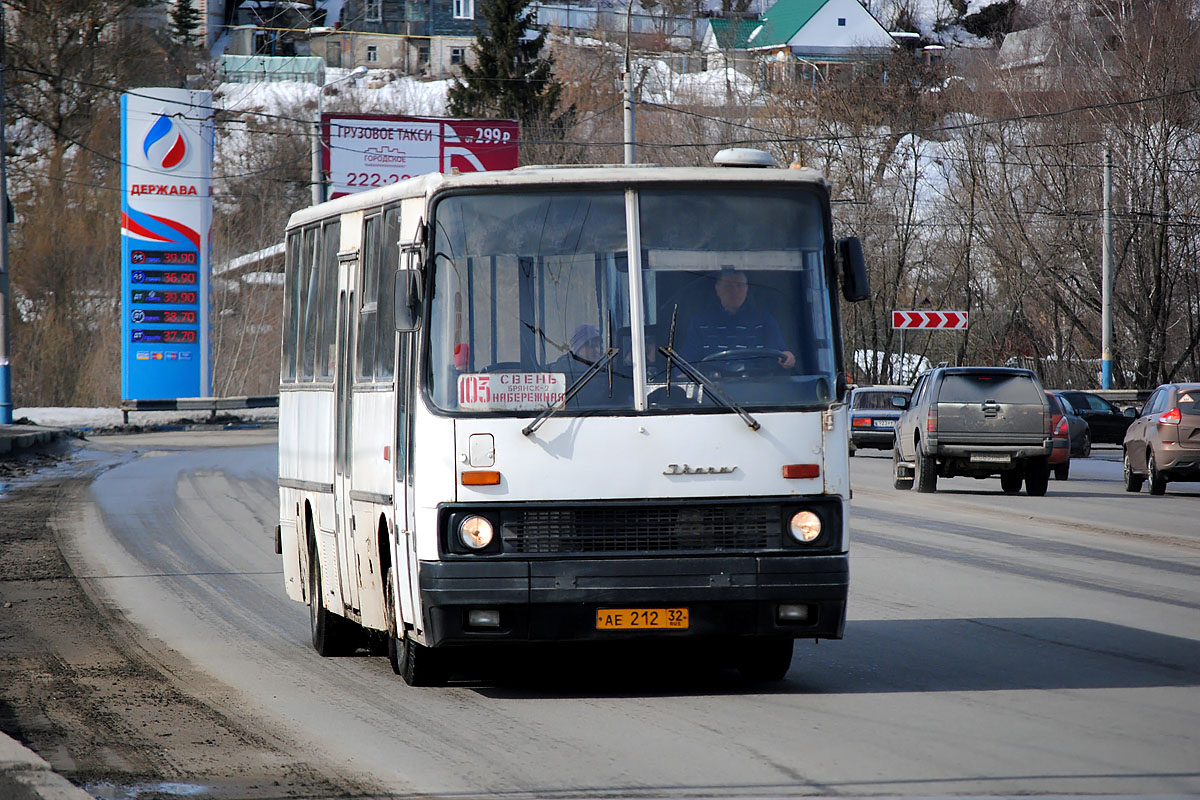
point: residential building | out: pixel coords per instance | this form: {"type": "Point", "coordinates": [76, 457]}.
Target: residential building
{"type": "Point", "coordinates": [805, 40]}
{"type": "Point", "coordinates": [1069, 53]}
{"type": "Point", "coordinates": [418, 37]}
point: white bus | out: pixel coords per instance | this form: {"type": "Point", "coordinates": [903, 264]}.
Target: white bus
{"type": "Point", "coordinates": [576, 403]}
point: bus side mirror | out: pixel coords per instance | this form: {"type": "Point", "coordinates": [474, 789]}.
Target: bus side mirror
{"type": "Point", "coordinates": [855, 286]}
{"type": "Point", "coordinates": [407, 292]}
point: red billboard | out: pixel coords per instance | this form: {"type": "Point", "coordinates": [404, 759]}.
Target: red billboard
{"type": "Point", "coordinates": [363, 151]}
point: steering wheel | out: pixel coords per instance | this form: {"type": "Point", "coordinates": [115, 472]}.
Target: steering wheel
{"type": "Point", "coordinates": [738, 361]}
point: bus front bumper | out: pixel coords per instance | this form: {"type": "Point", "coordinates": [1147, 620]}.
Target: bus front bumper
{"type": "Point", "coordinates": [558, 600]}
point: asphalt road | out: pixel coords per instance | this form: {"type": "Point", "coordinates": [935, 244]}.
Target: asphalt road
{"type": "Point", "coordinates": [997, 645]}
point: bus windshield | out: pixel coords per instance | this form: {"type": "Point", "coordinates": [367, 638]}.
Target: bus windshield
{"type": "Point", "coordinates": [530, 290]}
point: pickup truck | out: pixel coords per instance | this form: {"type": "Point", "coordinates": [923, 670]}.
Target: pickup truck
{"type": "Point", "coordinates": [975, 421]}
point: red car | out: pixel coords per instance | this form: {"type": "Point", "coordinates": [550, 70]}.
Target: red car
{"type": "Point", "coordinates": [1060, 456]}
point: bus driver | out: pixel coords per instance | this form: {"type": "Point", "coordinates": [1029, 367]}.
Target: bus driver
{"type": "Point", "coordinates": [727, 322]}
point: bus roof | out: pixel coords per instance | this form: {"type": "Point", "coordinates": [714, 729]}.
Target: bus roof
{"type": "Point", "coordinates": [600, 174]}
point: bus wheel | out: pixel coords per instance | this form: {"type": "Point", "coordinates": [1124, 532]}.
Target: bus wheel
{"type": "Point", "coordinates": [393, 645]}
{"type": "Point", "coordinates": [417, 664]}
{"type": "Point", "coordinates": [331, 635]}
{"type": "Point", "coordinates": [766, 658]}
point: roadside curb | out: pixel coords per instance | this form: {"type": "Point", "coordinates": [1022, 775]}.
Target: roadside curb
{"type": "Point", "coordinates": [16, 439]}
{"type": "Point", "coordinates": [24, 775]}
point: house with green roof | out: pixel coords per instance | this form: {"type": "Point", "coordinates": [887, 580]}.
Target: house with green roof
{"type": "Point", "coordinates": [811, 34]}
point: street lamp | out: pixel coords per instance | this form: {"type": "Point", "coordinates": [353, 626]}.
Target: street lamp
{"type": "Point", "coordinates": [318, 185]}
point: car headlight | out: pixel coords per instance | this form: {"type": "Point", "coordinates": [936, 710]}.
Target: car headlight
{"type": "Point", "coordinates": [805, 527]}
{"type": "Point", "coordinates": [475, 532]}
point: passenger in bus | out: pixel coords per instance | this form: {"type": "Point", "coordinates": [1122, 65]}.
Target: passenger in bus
{"type": "Point", "coordinates": [726, 321]}
{"type": "Point", "coordinates": [586, 345]}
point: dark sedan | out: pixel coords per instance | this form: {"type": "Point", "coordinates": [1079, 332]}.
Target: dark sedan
{"type": "Point", "coordinates": [1107, 422]}
{"type": "Point", "coordinates": [873, 414]}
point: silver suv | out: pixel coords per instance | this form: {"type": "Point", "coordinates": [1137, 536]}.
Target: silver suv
{"type": "Point", "coordinates": [975, 421]}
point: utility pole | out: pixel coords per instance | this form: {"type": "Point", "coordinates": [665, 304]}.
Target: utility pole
{"type": "Point", "coordinates": [317, 180]}
{"type": "Point", "coordinates": [1106, 278]}
{"type": "Point", "coordinates": [627, 103]}
{"type": "Point", "coordinates": [6, 401]}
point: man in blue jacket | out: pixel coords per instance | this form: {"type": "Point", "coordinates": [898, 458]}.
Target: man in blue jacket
{"type": "Point", "coordinates": [727, 322]}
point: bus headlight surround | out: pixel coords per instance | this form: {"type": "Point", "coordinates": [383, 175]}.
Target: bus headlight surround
{"type": "Point", "coordinates": [475, 532]}
{"type": "Point", "coordinates": [805, 527]}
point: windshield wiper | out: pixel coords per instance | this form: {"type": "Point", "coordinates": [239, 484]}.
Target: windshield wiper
{"type": "Point", "coordinates": [709, 385]}
{"type": "Point", "coordinates": [572, 390]}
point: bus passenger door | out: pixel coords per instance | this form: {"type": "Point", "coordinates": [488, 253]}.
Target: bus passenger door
{"type": "Point", "coordinates": [343, 427]}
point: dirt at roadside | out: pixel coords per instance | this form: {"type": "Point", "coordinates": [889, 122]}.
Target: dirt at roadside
{"type": "Point", "coordinates": [76, 689]}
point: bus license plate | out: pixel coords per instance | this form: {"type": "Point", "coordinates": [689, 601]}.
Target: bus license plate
{"type": "Point", "coordinates": [634, 619]}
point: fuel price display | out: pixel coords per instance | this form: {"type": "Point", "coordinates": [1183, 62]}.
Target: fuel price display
{"type": "Point", "coordinates": [163, 336]}
{"type": "Point", "coordinates": [166, 316]}
{"type": "Point", "coordinates": [173, 297]}
{"type": "Point", "coordinates": [163, 276]}
{"type": "Point", "coordinates": [154, 257]}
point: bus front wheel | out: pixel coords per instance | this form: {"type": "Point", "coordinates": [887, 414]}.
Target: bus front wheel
{"type": "Point", "coordinates": [766, 658]}
{"type": "Point", "coordinates": [416, 664]}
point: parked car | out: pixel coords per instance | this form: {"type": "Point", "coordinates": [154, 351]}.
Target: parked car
{"type": "Point", "coordinates": [975, 421]}
{"type": "Point", "coordinates": [1107, 422]}
{"type": "Point", "coordinates": [1060, 455]}
{"type": "Point", "coordinates": [1080, 431]}
{"type": "Point", "coordinates": [1163, 443]}
{"type": "Point", "coordinates": [873, 414]}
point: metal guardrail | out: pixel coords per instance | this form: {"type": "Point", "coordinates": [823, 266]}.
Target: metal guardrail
{"type": "Point", "coordinates": [209, 404]}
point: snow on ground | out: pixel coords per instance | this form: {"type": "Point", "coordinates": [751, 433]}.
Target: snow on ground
{"type": "Point", "coordinates": [85, 419]}
{"type": "Point", "coordinates": [380, 92]}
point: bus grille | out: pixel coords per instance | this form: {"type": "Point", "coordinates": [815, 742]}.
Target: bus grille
{"type": "Point", "coordinates": [639, 529]}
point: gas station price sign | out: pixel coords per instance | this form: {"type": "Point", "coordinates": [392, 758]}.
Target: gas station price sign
{"type": "Point", "coordinates": [166, 222]}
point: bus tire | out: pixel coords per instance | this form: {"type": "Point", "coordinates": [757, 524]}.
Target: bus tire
{"type": "Point", "coordinates": [417, 664]}
{"type": "Point", "coordinates": [394, 628]}
{"type": "Point", "coordinates": [332, 635]}
{"type": "Point", "coordinates": [765, 658]}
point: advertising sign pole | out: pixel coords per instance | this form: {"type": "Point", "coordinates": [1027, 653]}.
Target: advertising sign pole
{"type": "Point", "coordinates": [166, 217]}
{"type": "Point", "coordinates": [6, 401]}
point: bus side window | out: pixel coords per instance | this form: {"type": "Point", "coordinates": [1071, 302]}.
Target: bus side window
{"type": "Point", "coordinates": [385, 355]}
{"type": "Point", "coordinates": [291, 308]}
{"type": "Point", "coordinates": [327, 338]}
{"type": "Point", "coordinates": [310, 300]}
{"type": "Point", "coordinates": [368, 313]}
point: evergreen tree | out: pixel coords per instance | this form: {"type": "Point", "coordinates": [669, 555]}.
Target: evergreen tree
{"type": "Point", "coordinates": [510, 79]}
{"type": "Point", "coordinates": [185, 19]}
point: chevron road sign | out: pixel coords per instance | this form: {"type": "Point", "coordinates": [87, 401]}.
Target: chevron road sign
{"type": "Point", "coordinates": [950, 320]}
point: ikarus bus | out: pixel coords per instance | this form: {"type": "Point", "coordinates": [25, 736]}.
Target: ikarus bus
{"type": "Point", "coordinates": [566, 404]}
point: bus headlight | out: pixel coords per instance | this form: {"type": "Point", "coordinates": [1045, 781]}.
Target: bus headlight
{"type": "Point", "coordinates": [805, 527]}
{"type": "Point", "coordinates": [475, 532]}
